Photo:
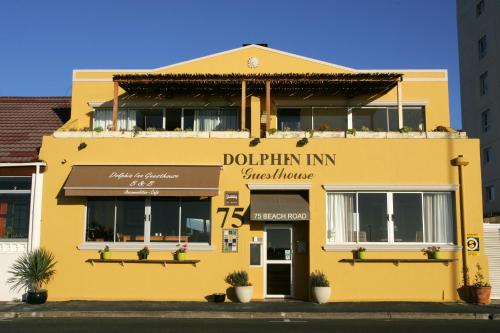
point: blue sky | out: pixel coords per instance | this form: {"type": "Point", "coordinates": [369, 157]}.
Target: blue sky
{"type": "Point", "coordinates": [41, 42]}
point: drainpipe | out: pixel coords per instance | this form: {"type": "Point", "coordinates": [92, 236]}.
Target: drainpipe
{"type": "Point", "coordinates": [460, 162]}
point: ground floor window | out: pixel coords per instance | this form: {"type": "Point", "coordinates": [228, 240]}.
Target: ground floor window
{"type": "Point", "coordinates": [167, 219]}
{"type": "Point", "coordinates": [390, 217]}
{"type": "Point", "coordinates": [15, 198]}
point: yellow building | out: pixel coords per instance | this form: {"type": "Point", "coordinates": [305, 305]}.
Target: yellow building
{"type": "Point", "coordinates": [264, 161]}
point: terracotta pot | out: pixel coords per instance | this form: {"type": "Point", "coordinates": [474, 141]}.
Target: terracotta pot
{"type": "Point", "coordinates": [322, 294]}
{"type": "Point", "coordinates": [480, 295]}
{"type": "Point", "coordinates": [244, 294]}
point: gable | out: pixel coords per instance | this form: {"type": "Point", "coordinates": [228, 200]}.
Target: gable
{"type": "Point", "coordinates": [268, 60]}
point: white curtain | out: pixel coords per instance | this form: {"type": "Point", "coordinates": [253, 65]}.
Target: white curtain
{"type": "Point", "coordinates": [215, 120]}
{"type": "Point", "coordinates": [341, 217]}
{"type": "Point", "coordinates": [228, 120]}
{"type": "Point", "coordinates": [103, 118]}
{"type": "Point", "coordinates": [205, 120]}
{"type": "Point", "coordinates": [438, 218]}
{"type": "Point", "coordinates": [126, 120]}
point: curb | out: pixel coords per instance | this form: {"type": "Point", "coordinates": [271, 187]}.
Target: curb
{"type": "Point", "coordinates": [251, 315]}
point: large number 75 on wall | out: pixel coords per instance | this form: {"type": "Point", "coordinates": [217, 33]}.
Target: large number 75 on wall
{"type": "Point", "coordinates": [235, 215]}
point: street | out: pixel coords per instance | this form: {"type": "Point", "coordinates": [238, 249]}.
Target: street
{"type": "Point", "coordinates": [110, 325]}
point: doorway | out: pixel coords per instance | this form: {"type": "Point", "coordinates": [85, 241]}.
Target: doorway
{"type": "Point", "coordinates": [278, 261]}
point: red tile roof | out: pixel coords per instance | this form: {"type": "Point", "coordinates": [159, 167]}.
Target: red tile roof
{"type": "Point", "coordinates": [23, 122]}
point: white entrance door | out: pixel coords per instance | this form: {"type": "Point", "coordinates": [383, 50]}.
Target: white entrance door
{"type": "Point", "coordinates": [279, 258]}
{"type": "Point", "coordinates": [492, 248]}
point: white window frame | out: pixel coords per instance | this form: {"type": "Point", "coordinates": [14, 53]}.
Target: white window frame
{"type": "Point", "coordinates": [349, 113]}
{"type": "Point", "coordinates": [132, 246]}
{"type": "Point", "coordinates": [390, 245]}
{"type": "Point", "coordinates": [30, 213]}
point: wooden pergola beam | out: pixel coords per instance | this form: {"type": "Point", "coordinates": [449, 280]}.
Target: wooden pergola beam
{"type": "Point", "coordinates": [268, 105]}
{"type": "Point", "coordinates": [243, 103]}
{"type": "Point", "coordinates": [115, 106]}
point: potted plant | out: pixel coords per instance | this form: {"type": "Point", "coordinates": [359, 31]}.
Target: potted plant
{"type": "Point", "coordinates": [180, 253]}
{"type": "Point", "coordinates": [105, 253]}
{"type": "Point", "coordinates": [320, 287]}
{"type": "Point", "coordinates": [432, 252]}
{"type": "Point", "coordinates": [31, 272]}
{"type": "Point", "coordinates": [143, 254]}
{"type": "Point", "coordinates": [361, 253]}
{"type": "Point", "coordinates": [480, 290]}
{"type": "Point", "coordinates": [242, 286]}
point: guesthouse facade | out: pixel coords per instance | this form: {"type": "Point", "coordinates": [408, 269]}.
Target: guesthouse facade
{"type": "Point", "coordinates": [264, 161]}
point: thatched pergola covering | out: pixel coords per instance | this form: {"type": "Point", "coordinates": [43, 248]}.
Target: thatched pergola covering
{"type": "Point", "coordinates": [348, 84]}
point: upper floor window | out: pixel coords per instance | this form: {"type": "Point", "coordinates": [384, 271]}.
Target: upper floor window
{"type": "Point", "coordinates": [194, 119]}
{"type": "Point", "coordinates": [165, 219]}
{"type": "Point", "coordinates": [485, 121]}
{"type": "Point", "coordinates": [336, 118]}
{"type": "Point", "coordinates": [487, 155]}
{"type": "Point", "coordinates": [15, 198]}
{"type": "Point", "coordinates": [390, 217]}
{"type": "Point", "coordinates": [479, 7]}
{"type": "Point", "coordinates": [483, 83]}
{"type": "Point", "coordinates": [490, 193]}
{"type": "Point", "coordinates": [482, 47]}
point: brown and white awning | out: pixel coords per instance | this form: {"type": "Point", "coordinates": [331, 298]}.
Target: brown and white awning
{"type": "Point", "coordinates": [278, 207]}
{"type": "Point", "coordinates": [143, 180]}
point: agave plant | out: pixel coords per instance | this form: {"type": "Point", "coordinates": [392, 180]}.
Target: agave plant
{"type": "Point", "coordinates": [32, 270]}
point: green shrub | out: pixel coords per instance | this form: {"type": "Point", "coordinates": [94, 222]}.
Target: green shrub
{"type": "Point", "coordinates": [319, 279]}
{"type": "Point", "coordinates": [238, 279]}
{"type": "Point", "coordinates": [32, 270]}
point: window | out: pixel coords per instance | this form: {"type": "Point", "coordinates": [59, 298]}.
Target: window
{"type": "Point", "coordinates": [485, 121]}
{"type": "Point", "coordinates": [490, 193]}
{"type": "Point", "coordinates": [487, 155]}
{"type": "Point", "coordinates": [482, 46]}
{"type": "Point", "coordinates": [15, 198]}
{"type": "Point", "coordinates": [414, 118]}
{"type": "Point", "coordinates": [390, 217]}
{"type": "Point", "coordinates": [168, 219]}
{"type": "Point", "coordinates": [479, 7]}
{"type": "Point", "coordinates": [329, 118]}
{"type": "Point", "coordinates": [215, 119]}
{"type": "Point", "coordinates": [255, 254]}
{"type": "Point", "coordinates": [294, 119]}
{"type": "Point", "coordinates": [483, 83]}
{"type": "Point", "coordinates": [370, 119]}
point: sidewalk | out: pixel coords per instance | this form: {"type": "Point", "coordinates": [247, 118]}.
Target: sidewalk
{"type": "Point", "coordinates": [257, 310]}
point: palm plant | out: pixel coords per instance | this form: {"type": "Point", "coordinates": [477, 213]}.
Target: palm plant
{"type": "Point", "coordinates": [32, 270]}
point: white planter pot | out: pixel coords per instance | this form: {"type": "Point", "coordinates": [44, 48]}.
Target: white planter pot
{"type": "Point", "coordinates": [322, 294]}
{"type": "Point", "coordinates": [244, 294]}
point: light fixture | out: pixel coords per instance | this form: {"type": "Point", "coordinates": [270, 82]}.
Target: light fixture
{"type": "Point", "coordinates": [302, 142]}
{"type": "Point", "coordinates": [254, 142]}
{"type": "Point", "coordinates": [82, 145]}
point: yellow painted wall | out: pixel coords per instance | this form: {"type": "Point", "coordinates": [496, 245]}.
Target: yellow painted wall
{"type": "Point", "coordinates": [358, 161]}
{"type": "Point", "coordinates": [429, 87]}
